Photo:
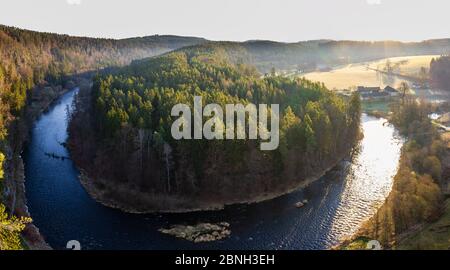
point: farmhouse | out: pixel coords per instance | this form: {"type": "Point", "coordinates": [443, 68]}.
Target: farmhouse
{"type": "Point", "coordinates": [391, 91]}
{"type": "Point", "coordinates": [368, 93]}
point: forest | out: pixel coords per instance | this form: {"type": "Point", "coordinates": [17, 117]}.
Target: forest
{"type": "Point", "coordinates": [31, 60]}
{"type": "Point", "coordinates": [131, 150]}
{"type": "Point", "coordinates": [440, 72]}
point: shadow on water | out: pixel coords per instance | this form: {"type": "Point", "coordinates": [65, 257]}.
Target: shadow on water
{"type": "Point", "coordinates": [338, 203]}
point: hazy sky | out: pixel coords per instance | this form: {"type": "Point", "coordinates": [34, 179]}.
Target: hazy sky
{"type": "Point", "coordinates": [281, 20]}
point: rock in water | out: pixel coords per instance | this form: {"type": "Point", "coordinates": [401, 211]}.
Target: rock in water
{"type": "Point", "coordinates": [299, 204]}
{"type": "Point", "coordinates": [202, 232]}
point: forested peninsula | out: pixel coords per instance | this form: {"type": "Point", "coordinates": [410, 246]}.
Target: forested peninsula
{"type": "Point", "coordinates": [122, 140]}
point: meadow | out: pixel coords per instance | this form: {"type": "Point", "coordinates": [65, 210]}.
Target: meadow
{"type": "Point", "coordinates": [352, 75]}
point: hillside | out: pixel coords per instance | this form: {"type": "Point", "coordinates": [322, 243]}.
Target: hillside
{"type": "Point", "coordinates": [29, 58]}
{"type": "Point", "coordinates": [34, 69]}
{"type": "Point", "coordinates": [311, 55]}
{"type": "Point", "coordinates": [124, 144]}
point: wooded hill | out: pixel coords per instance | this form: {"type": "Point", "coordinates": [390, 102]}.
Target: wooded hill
{"type": "Point", "coordinates": [318, 54]}
{"type": "Point", "coordinates": [29, 59]}
{"type": "Point", "coordinates": [130, 154]}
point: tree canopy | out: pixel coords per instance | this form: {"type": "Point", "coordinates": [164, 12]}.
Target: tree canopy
{"type": "Point", "coordinates": [132, 116]}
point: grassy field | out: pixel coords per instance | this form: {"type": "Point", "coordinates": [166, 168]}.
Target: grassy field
{"type": "Point", "coordinates": [434, 236]}
{"type": "Point", "coordinates": [363, 74]}
{"type": "Point", "coordinates": [408, 65]}
{"type": "Point", "coordinates": [359, 243]}
{"type": "Point", "coordinates": [376, 105]}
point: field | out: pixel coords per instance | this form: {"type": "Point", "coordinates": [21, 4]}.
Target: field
{"type": "Point", "coordinates": [434, 236]}
{"type": "Point", "coordinates": [408, 65]}
{"type": "Point", "coordinates": [364, 74]}
{"type": "Point", "coordinates": [376, 105]}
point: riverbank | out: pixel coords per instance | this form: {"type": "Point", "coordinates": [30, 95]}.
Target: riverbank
{"type": "Point", "coordinates": [15, 194]}
{"type": "Point", "coordinates": [435, 234]}
{"type": "Point", "coordinates": [415, 202]}
{"type": "Point", "coordinates": [94, 189]}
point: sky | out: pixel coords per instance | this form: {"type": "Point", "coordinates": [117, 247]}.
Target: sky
{"type": "Point", "coordinates": [237, 20]}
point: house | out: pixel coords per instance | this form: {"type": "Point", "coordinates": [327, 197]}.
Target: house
{"type": "Point", "coordinates": [379, 95]}
{"type": "Point", "coordinates": [368, 93]}
{"type": "Point", "coordinates": [391, 91]}
{"type": "Point", "coordinates": [367, 90]}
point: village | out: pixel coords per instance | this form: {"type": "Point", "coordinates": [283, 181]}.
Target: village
{"type": "Point", "coordinates": [370, 93]}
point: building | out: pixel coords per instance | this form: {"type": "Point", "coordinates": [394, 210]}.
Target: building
{"type": "Point", "coordinates": [368, 93]}
{"type": "Point", "coordinates": [391, 91]}
{"type": "Point", "coordinates": [368, 90]}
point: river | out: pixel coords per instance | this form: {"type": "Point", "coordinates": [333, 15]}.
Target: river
{"type": "Point", "coordinates": [339, 202]}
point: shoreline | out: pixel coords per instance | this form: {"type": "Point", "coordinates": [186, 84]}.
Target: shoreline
{"type": "Point", "coordinates": [99, 196]}
{"type": "Point", "coordinates": [15, 197]}
{"type": "Point", "coordinates": [31, 235]}
{"type": "Point", "coordinates": [367, 228]}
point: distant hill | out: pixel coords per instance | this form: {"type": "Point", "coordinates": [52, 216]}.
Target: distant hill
{"type": "Point", "coordinates": [28, 58]}
{"type": "Point", "coordinates": [86, 52]}
{"type": "Point", "coordinates": [309, 55]}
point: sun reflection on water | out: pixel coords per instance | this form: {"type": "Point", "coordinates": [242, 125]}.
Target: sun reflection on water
{"type": "Point", "coordinates": [369, 178]}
